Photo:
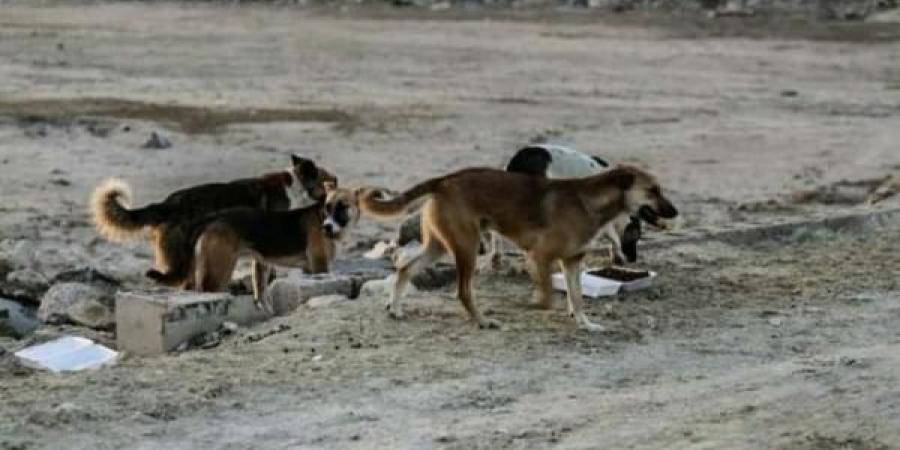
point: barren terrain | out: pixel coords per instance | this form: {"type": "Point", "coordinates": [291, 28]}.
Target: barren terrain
{"type": "Point", "coordinates": [785, 345]}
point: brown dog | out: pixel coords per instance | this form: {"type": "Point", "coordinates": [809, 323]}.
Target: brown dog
{"type": "Point", "coordinates": [170, 220]}
{"type": "Point", "coordinates": [303, 238]}
{"type": "Point", "coordinates": [550, 219]}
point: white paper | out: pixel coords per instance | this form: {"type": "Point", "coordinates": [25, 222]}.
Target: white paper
{"type": "Point", "coordinates": [67, 354]}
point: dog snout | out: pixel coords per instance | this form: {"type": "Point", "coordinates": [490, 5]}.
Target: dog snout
{"type": "Point", "coordinates": [647, 214]}
{"type": "Point", "coordinates": [667, 210]}
{"type": "Point", "coordinates": [329, 229]}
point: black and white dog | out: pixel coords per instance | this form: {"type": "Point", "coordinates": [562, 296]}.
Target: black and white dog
{"type": "Point", "coordinates": [556, 161]}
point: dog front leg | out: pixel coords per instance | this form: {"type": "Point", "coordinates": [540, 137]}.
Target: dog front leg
{"type": "Point", "coordinates": [572, 270]}
{"type": "Point", "coordinates": [260, 280]}
{"type": "Point", "coordinates": [616, 254]}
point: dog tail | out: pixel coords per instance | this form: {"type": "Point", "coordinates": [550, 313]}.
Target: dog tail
{"type": "Point", "coordinates": [374, 204]}
{"type": "Point", "coordinates": [113, 219]}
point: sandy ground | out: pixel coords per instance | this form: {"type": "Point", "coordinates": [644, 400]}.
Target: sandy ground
{"type": "Point", "coordinates": [775, 346]}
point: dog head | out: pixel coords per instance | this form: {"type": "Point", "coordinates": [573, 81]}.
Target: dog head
{"type": "Point", "coordinates": [642, 195]}
{"type": "Point", "coordinates": [308, 181]}
{"type": "Point", "coordinates": [341, 210]}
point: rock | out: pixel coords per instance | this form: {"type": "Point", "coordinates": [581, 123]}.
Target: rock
{"type": "Point", "coordinates": [410, 230]}
{"type": "Point", "coordinates": [87, 275]}
{"type": "Point", "coordinates": [5, 268]}
{"type": "Point", "coordinates": [381, 288]}
{"type": "Point", "coordinates": [286, 294]}
{"type": "Point", "coordinates": [18, 253]}
{"type": "Point", "coordinates": [25, 285]}
{"type": "Point", "coordinates": [16, 320]}
{"type": "Point", "coordinates": [435, 277]}
{"type": "Point", "coordinates": [888, 188]}
{"type": "Point", "coordinates": [157, 142]}
{"type": "Point", "coordinates": [404, 253]}
{"type": "Point", "coordinates": [77, 303]}
{"type": "Point", "coordinates": [229, 328]}
{"type": "Point", "coordinates": [28, 279]}
{"type": "Point", "coordinates": [381, 250]}
{"type": "Point", "coordinates": [326, 301]}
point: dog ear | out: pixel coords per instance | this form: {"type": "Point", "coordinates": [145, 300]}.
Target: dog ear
{"type": "Point", "coordinates": [622, 179]}
{"type": "Point", "coordinates": [305, 168]}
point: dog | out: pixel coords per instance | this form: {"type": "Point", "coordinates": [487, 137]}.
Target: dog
{"type": "Point", "coordinates": [304, 238]}
{"type": "Point", "coordinates": [303, 183]}
{"type": "Point", "coordinates": [550, 219]}
{"type": "Point", "coordinates": [556, 161]}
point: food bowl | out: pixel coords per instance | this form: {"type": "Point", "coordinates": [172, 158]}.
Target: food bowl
{"type": "Point", "coordinates": [607, 281]}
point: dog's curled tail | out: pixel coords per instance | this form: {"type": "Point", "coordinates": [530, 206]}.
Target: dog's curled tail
{"type": "Point", "coordinates": [112, 218]}
{"type": "Point", "coordinates": [373, 203]}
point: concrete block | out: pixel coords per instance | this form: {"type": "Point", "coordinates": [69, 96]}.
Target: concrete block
{"type": "Point", "coordinates": [157, 321]}
{"type": "Point", "coordinates": [288, 293]}
{"type": "Point", "coordinates": [326, 301]}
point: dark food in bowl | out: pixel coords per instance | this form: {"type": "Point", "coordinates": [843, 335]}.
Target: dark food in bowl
{"type": "Point", "coordinates": [619, 274]}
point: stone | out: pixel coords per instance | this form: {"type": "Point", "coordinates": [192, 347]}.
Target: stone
{"type": "Point", "coordinates": [87, 275]}
{"type": "Point", "coordinates": [16, 320]}
{"type": "Point", "coordinates": [160, 320]}
{"type": "Point", "coordinates": [435, 277]}
{"type": "Point", "coordinates": [19, 253]}
{"type": "Point", "coordinates": [405, 252]}
{"type": "Point", "coordinates": [25, 284]}
{"type": "Point", "coordinates": [382, 288]}
{"type": "Point", "coordinates": [288, 293]}
{"type": "Point", "coordinates": [326, 301]}
{"type": "Point", "coordinates": [77, 303]}
{"type": "Point", "coordinates": [381, 250]}
{"type": "Point", "coordinates": [157, 142]}
{"type": "Point", "coordinates": [410, 230]}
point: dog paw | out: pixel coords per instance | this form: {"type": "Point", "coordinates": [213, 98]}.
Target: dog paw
{"type": "Point", "coordinates": [265, 305]}
{"type": "Point", "coordinates": [591, 327]}
{"type": "Point", "coordinates": [489, 324]}
{"type": "Point", "coordinates": [395, 312]}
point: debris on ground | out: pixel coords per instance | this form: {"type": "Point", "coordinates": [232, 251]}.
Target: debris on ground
{"type": "Point", "coordinates": [78, 303]}
{"type": "Point", "coordinates": [16, 320]}
{"type": "Point", "coordinates": [888, 188]}
{"type": "Point", "coordinates": [68, 354]}
{"type": "Point", "coordinates": [326, 301]}
{"type": "Point", "coordinates": [381, 250]}
{"type": "Point", "coordinates": [157, 142]}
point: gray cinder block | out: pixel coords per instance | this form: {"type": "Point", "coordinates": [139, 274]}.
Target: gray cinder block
{"type": "Point", "coordinates": [157, 321]}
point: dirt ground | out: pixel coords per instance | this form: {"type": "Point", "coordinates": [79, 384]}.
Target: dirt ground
{"type": "Point", "coordinates": [790, 345]}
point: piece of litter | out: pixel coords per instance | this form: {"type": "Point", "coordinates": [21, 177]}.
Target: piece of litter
{"type": "Point", "coordinates": [381, 250]}
{"type": "Point", "coordinates": [593, 286]}
{"type": "Point", "coordinates": [317, 358]}
{"type": "Point", "coordinates": [67, 354]}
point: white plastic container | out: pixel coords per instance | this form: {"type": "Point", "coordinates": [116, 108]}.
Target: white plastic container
{"type": "Point", "coordinates": [67, 354]}
{"type": "Point", "coordinates": [594, 286]}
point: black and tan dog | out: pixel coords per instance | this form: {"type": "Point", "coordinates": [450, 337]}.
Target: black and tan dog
{"type": "Point", "coordinates": [551, 219]}
{"type": "Point", "coordinates": [206, 253]}
{"type": "Point", "coordinates": [301, 184]}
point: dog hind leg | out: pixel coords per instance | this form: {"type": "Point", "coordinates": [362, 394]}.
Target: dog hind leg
{"type": "Point", "coordinates": [429, 252]}
{"type": "Point", "coordinates": [216, 256]}
{"type": "Point", "coordinates": [540, 274]}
